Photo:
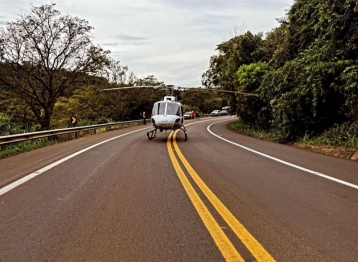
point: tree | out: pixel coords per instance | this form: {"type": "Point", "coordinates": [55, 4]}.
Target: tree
{"type": "Point", "coordinates": [277, 45]}
{"type": "Point", "coordinates": [149, 80]}
{"type": "Point", "coordinates": [252, 110]}
{"type": "Point", "coordinates": [313, 84]}
{"type": "Point", "coordinates": [201, 100]}
{"type": "Point", "coordinates": [45, 55]}
{"type": "Point", "coordinates": [239, 50]}
{"type": "Point", "coordinates": [118, 75]}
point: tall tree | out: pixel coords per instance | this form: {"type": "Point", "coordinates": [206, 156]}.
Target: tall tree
{"type": "Point", "coordinates": [119, 75]}
{"type": "Point", "coordinates": [239, 50]}
{"type": "Point", "coordinates": [45, 55]}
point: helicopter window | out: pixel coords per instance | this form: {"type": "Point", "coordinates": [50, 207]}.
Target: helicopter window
{"type": "Point", "coordinates": [155, 109]}
{"type": "Point", "coordinates": [159, 108]}
{"type": "Point", "coordinates": [162, 108]}
{"type": "Point", "coordinates": [173, 109]}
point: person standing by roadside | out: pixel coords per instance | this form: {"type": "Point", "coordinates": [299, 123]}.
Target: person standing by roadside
{"type": "Point", "coordinates": [144, 116]}
{"type": "Point", "coordinates": [192, 114]}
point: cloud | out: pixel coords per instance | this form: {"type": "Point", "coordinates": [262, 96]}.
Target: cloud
{"type": "Point", "coordinates": [171, 39]}
{"type": "Point", "coordinates": [179, 68]}
{"type": "Point", "coordinates": [242, 5]}
{"type": "Point", "coordinates": [211, 19]}
{"type": "Point", "coordinates": [129, 37]}
{"type": "Point", "coordinates": [127, 40]}
{"type": "Point", "coordinates": [110, 44]}
{"type": "Point", "coordinates": [141, 43]}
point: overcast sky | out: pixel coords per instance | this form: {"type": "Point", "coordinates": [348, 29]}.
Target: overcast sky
{"type": "Point", "coordinates": [170, 39]}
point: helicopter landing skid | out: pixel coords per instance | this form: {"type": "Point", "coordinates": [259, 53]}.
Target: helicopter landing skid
{"type": "Point", "coordinates": [184, 130]}
{"type": "Point", "coordinates": [151, 134]}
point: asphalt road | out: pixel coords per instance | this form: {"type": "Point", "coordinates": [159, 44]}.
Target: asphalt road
{"type": "Point", "coordinates": [204, 199]}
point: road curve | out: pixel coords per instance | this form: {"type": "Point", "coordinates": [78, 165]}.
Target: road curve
{"type": "Point", "coordinates": [123, 200]}
{"type": "Point", "coordinates": [294, 214]}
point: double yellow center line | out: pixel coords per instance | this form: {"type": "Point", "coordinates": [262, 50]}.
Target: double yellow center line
{"type": "Point", "coordinates": [224, 244]}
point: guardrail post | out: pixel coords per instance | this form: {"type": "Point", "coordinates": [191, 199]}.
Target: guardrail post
{"type": "Point", "coordinates": [76, 135]}
{"type": "Point", "coordinates": [3, 147]}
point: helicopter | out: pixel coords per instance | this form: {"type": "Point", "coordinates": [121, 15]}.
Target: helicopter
{"type": "Point", "coordinates": [168, 114]}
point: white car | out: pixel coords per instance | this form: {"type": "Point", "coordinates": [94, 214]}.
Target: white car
{"type": "Point", "coordinates": [223, 113]}
{"type": "Point", "coordinates": [215, 113]}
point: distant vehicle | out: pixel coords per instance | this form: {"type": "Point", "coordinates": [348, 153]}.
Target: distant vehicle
{"type": "Point", "coordinates": [215, 113]}
{"type": "Point", "coordinates": [187, 115]}
{"type": "Point", "coordinates": [223, 113]}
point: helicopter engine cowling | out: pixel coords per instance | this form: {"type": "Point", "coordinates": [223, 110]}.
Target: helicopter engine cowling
{"type": "Point", "coordinates": [165, 122]}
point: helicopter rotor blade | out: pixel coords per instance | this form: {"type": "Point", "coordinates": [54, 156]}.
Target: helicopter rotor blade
{"type": "Point", "coordinates": [218, 90]}
{"type": "Point", "coordinates": [129, 87]}
{"type": "Point", "coordinates": [172, 87]}
{"type": "Point", "coordinates": [234, 92]}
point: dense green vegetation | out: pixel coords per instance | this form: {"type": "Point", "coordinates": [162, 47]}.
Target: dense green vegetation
{"type": "Point", "coordinates": [305, 72]}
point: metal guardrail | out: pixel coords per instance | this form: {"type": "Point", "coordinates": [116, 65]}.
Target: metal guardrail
{"type": "Point", "coordinates": [5, 140]}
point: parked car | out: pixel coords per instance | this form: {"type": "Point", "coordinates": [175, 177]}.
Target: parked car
{"type": "Point", "coordinates": [215, 113]}
{"type": "Point", "coordinates": [187, 115]}
{"type": "Point", "coordinates": [223, 113]}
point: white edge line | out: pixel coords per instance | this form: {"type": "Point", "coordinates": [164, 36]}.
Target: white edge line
{"type": "Point", "coordinates": [283, 162]}
{"type": "Point", "coordinates": [48, 167]}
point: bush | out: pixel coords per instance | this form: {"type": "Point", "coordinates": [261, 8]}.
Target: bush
{"type": "Point", "coordinates": [344, 135]}
{"type": "Point", "coordinates": [7, 127]}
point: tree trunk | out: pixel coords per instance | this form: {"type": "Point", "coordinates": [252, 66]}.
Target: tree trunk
{"type": "Point", "coordinates": [45, 120]}
{"type": "Point", "coordinates": [45, 123]}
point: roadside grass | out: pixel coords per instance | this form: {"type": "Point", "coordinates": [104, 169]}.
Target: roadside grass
{"type": "Point", "coordinates": [257, 133]}
{"type": "Point", "coordinates": [26, 146]}
{"type": "Point", "coordinates": [341, 136]}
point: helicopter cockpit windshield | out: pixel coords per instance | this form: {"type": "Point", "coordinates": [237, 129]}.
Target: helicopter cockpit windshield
{"type": "Point", "coordinates": [173, 109]}
{"type": "Point", "coordinates": [166, 108]}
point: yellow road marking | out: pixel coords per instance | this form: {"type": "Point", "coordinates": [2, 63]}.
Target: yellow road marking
{"type": "Point", "coordinates": [256, 249]}
{"type": "Point", "coordinates": [225, 246]}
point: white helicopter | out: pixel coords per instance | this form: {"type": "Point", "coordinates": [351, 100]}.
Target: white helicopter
{"type": "Point", "coordinates": [168, 113]}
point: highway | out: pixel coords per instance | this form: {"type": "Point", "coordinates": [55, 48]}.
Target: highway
{"type": "Point", "coordinates": [219, 196]}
